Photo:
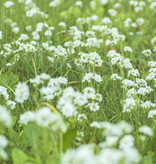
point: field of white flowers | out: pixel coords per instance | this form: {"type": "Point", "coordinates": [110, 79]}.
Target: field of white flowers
{"type": "Point", "coordinates": [78, 82]}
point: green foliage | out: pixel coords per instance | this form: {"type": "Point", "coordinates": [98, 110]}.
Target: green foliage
{"type": "Point", "coordinates": [68, 138]}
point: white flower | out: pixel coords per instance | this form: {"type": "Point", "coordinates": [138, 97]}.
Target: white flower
{"type": "Point", "coordinates": [82, 155]}
{"type": "Point", "coordinates": [21, 92]}
{"type": "Point", "coordinates": [48, 33]}
{"type": "Point", "coordinates": [140, 21]}
{"type": "Point", "coordinates": [126, 142]}
{"type": "Point", "coordinates": [133, 72]}
{"type": "Point", "coordinates": [115, 77]}
{"type": "Point", "coordinates": [43, 116]}
{"type": "Point", "coordinates": [128, 83]}
{"type": "Point", "coordinates": [5, 116]}
{"type": "Point", "coordinates": [132, 155]}
{"type": "Point", "coordinates": [68, 110]}
{"type": "Point", "coordinates": [131, 92]}
{"type": "Point", "coordinates": [129, 49]}
{"type": "Point", "coordinates": [147, 104]}
{"type": "Point", "coordinates": [27, 117]}
{"type": "Point", "coordinates": [3, 91]}
{"type": "Point", "coordinates": [81, 117]}
{"type": "Point", "coordinates": [146, 130]}
{"type": "Point", "coordinates": [89, 76]}
{"type": "Point", "coordinates": [79, 3]}
{"type": "Point", "coordinates": [8, 4]}
{"type": "Point", "coordinates": [24, 37]}
{"type": "Point", "coordinates": [3, 141]}
{"type": "Point", "coordinates": [106, 20]}
{"type": "Point", "coordinates": [28, 28]}
{"type": "Point", "coordinates": [62, 24]}
{"type": "Point", "coordinates": [1, 36]}
{"type": "Point", "coordinates": [15, 30]}
{"type": "Point", "coordinates": [35, 35]}
{"type": "Point", "coordinates": [97, 78]}
{"type": "Point", "coordinates": [144, 90]}
{"type": "Point", "coordinates": [147, 52]}
{"type": "Point", "coordinates": [152, 113]}
{"type": "Point", "coordinates": [112, 12]}
{"type": "Point", "coordinates": [103, 2]}
{"type": "Point", "coordinates": [55, 3]}
{"type": "Point", "coordinates": [129, 104]}
{"type": "Point", "coordinates": [93, 106]}
{"type": "Point", "coordinates": [11, 104]}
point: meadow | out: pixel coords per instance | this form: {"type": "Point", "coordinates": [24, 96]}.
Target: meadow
{"type": "Point", "coordinates": [78, 82]}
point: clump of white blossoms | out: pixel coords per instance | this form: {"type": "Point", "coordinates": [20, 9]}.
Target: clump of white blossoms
{"type": "Point", "coordinates": [8, 4]}
{"type": "Point", "coordinates": [115, 134]}
{"type": "Point", "coordinates": [115, 77]}
{"type": "Point", "coordinates": [129, 104]}
{"type": "Point", "coordinates": [3, 141]}
{"type": "Point", "coordinates": [92, 58]}
{"type": "Point", "coordinates": [44, 117]}
{"type": "Point", "coordinates": [119, 60]}
{"type": "Point", "coordinates": [147, 104]}
{"type": "Point", "coordinates": [70, 98]}
{"type": "Point", "coordinates": [39, 79]}
{"type": "Point", "coordinates": [84, 154]}
{"type": "Point", "coordinates": [152, 113]}
{"type": "Point", "coordinates": [5, 116]}
{"type": "Point", "coordinates": [21, 92]}
{"type": "Point", "coordinates": [79, 3]}
{"type": "Point", "coordinates": [146, 130]}
{"type": "Point", "coordinates": [1, 36]}
{"type": "Point", "coordinates": [3, 92]}
{"type": "Point", "coordinates": [133, 72]}
{"type": "Point", "coordinates": [92, 76]}
{"type": "Point", "coordinates": [3, 144]}
{"type": "Point", "coordinates": [53, 88]}
{"type": "Point", "coordinates": [55, 3]}
{"type": "Point", "coordinates": [128, 49]}
{"type": "Point", "coordinates": [147, 52]}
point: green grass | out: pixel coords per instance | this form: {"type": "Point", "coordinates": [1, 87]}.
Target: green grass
{"type": "Point", "coordinates": [41, 145]}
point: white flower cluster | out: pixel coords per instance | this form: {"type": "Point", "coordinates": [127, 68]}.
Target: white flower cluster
{"type": "Point", "coordinates": [138, 23]}
{"type": "Point", "coordinates": [92, 58]}
{"type": "Point", "coordinates": [1, 35]}
{"type": "Point", "coordinates": [146, 130]}
{"type": "Point", "coordinates": [9, 103]}
{"type": "Point", "coordinates": [115, 77]}
{"type": "Point", "coordinates": [152, 113]}
{"type": "Point", "coordinates": [128, 49]}
{"type": "Point", "coordinates": [147, 52]}
{"type": "Point", "coordinates": [32, 10]}
{"type": "Point", "coordinates": [129, 104]}
{"type": "Point", "coordinates": [114, 133]}
{"type": "Point", "coordinates": [71, 101]}
{"type": "Point", "coordinates": [147, 104]}
{"type": "Point", "coordinates": [57, 52]}
{"type": "Point", "coordinates": [138, 6]}
{"type": "Point", "coordinates": [3, 92]}
{"type": "Point", "coordinates": [5, 116]}
{"type": "Point", "coordinates": [3, 145]}
{"type": "Point", "coordinates": [92, 76]}
{"type": "Point", "coordinates": [44, 117]}
{"type": "Point", "coordinates": [152, 71]}
{"type": "Point", "coordinates": [116, 58]}
{"type": "Point", "coordinates": [53, 88]}
{"type": "Point", "coordinates": [140, 84]}
{"type": "Point", "coordinates": [8, 4]}
{"type": "Point", "coordinates": [39, 79]}
{"type": "Point", "coordinates": [21, 92]}
{"type": "Point", "coordinates": [55, 3]}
